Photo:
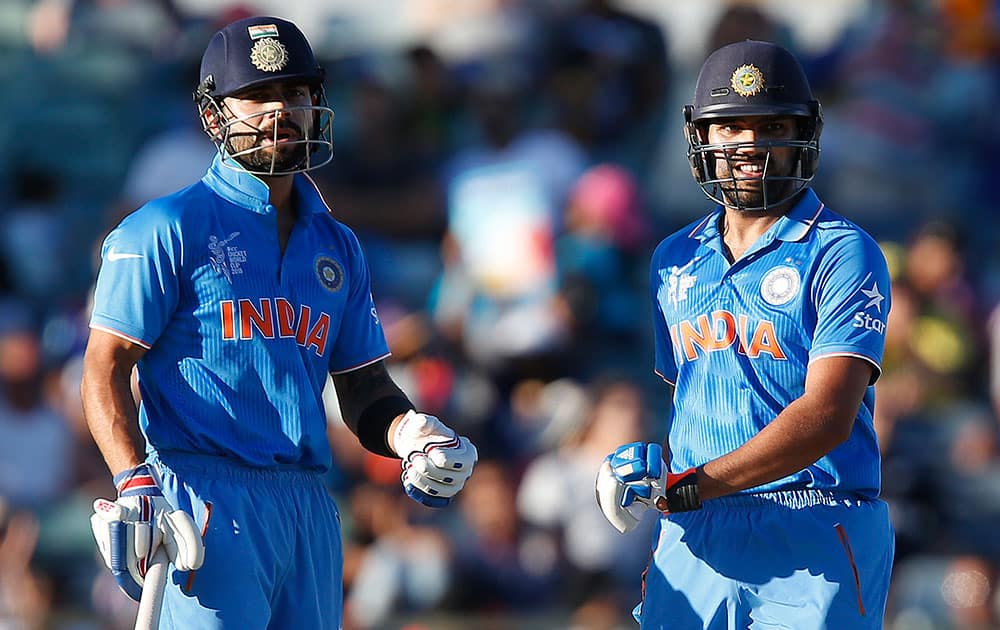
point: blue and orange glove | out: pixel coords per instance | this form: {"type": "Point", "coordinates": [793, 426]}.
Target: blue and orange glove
{"type": "Point", "coordinates": [634, 479]}
{"type": "Point", "coordinates": [129, 530]}
{"type": "Point", "coordinates": [436, 461]}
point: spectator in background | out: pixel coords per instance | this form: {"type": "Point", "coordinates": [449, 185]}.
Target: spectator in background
{"type": "Point", "coordinates": [556, 496]}
{"type": "Point", "coordinates": [388, 190]}
{"type": "Point", "coordinates": [433, 101]}
{"type": "Point", "coordinates": [405, 569]}
{"type": "Point", "coordinates": [498, 293]}
{"type": "Point", "coordinates": [36, 444]}
{"type": "Point", "coordinates": [34, 238]}
{"type": "Point", "coordinates": [25, 596]}
{"type": "Point", "coordinates": [499, 564]}
{"type": "Point", "coordinates": [607, 77]}
{"type": "Point", "coordinates": [601, 270]}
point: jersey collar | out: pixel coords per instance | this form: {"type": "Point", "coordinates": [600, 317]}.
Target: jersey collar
{"type": "Point", "coordinates": [794, 226]}
{"type": "Point", "coordinates": [249, 191]}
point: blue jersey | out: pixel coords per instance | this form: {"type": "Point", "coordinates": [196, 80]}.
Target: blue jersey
{"type": "Point", "coordinates": [240, 338]}
{"type": "Point", "coordinates": [736, 339]}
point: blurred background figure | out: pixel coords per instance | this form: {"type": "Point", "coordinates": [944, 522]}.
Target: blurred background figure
{"type": "Point", "coordinates": [507, 166]}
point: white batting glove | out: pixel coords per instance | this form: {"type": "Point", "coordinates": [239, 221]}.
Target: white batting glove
{"type": "Point", "coordinates": [634, 479]}
{"type": "Point", "coordinates": [129, 530]}
{"type": "Point", "coordinates": [436, 461]}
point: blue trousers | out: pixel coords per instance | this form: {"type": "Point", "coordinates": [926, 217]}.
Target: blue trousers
{"type": "Point", "coordinates": [797, 560]}
{"type": "Point", "coordinates": [273, 555]}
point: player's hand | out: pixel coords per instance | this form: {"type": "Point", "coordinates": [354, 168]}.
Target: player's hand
{"type": "Point", "coordinates": [436, 461]}
{"type": "Point", "coordinates": [130, 530]}
{"type": "Point", "coordinates": [634, 479]}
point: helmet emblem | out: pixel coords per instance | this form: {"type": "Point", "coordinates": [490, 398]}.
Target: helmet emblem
{"type": "Point", "coordinates": [747, 80]}
{"type": "Point", "coordinates": [269, 55]}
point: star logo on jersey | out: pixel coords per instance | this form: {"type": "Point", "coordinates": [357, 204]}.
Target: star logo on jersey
{"type": "Point", "coordinates": [677, 281]}
{"type": "Point", "coordinates": [874, 297]}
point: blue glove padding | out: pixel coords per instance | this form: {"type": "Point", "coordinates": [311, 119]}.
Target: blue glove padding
{"type": "Point", "coordinates": [634, 478]}
{"type": "Point", "coordinates": [635, 465]}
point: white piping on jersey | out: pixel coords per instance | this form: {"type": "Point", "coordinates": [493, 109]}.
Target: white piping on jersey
{"type": "Point", "coordinates": [361, 365]}
{"type": "Point", "coordinates": [811, 222]}
{"type": "Point", "coordinates": [853, 355]}
{"type": "Point", "coordinates": [121, 335]}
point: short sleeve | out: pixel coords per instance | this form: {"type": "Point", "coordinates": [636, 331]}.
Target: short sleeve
{"type": "Point", "coordinates": [137, 285]}
{"type": "Point", "coordinates": [665, 365]}
{"type": "Point", "coordinates": [360, 340]}
{"type": "Point", "coordinates": [852, 298]}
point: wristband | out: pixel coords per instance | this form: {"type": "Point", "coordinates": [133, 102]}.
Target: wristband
{"type": "Point", "coordinates": [681, 493]}
{"type": "Point", "coordinates": [374, 421]}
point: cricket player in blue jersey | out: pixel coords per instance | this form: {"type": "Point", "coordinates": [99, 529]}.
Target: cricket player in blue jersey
{"type": "Point", "coordinates": [236, 298]}
{"type": "Point", "coordinates": [769, 317]}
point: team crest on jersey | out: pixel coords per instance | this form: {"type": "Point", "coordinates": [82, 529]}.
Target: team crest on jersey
{"type": "Point", "coordinates": [226, 259]}
{"type": "Point", "coordinates": [330, 273]}
{"type": "Point", "coordinates": [780, 285]}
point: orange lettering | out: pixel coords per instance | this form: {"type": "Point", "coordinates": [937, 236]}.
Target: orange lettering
{"type": "Point", "coordinates": [228, 320]}
{"type": "Point", "coordinates": [286, 317]}
{"type": "Point", "coordinates": [251, 318]}
{"type": "Point", "coordinates": [764, 340]}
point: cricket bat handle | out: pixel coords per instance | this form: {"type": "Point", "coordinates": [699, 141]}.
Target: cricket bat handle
{"type": "Point", "coordinates": [153, 586]}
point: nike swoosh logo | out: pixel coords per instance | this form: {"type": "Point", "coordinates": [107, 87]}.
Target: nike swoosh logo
{"type": "Point", "coordinates": [113, 255]}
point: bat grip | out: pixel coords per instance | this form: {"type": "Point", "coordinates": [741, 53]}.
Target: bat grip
{"type": "Point", "coordinates": [153, 585]}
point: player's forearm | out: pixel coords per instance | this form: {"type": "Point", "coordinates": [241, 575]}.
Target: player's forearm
{"type": "Point", "coordinates": [112, 416]}
{"type": "Point", "coordinates": [803, 433]}
{"type": "Point", "coordinates": [371, 404]}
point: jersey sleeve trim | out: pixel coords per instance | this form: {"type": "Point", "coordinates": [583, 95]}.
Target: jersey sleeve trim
{"type": "Point", "coordinates": [120, 334]}
{"type": "Point", "coordinates": [361, 365]}
{"type": "Point", "coordinates": [876, 373]}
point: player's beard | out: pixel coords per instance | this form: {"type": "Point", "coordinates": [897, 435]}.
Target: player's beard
{"type": "Point", "coordinates": [750, 194]}
{"type": "Point", "coordinates": [277, 158]}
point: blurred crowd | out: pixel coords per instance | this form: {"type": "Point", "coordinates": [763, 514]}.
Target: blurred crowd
{"type": "Point", "coordinates": [508, 200]}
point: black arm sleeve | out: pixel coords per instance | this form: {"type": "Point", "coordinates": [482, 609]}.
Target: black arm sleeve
{"type": "Point", "coordinates": [373, 425]}
{"type": "Point", "coordinates": [369, 402]}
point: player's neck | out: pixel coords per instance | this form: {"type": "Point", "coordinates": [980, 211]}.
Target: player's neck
{"type": "Point", "coordinates": [740, 230]}
{"type": "Point", "coordinates": [280, 193]}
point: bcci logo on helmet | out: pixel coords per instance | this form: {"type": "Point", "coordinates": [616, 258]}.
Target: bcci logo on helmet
{"type": "Point", "coordinates": [269, 55]}
{"type": "Point", "coordinates": [747, 80]}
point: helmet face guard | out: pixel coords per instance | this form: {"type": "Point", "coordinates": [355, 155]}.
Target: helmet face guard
{"type": "Point", "coordinates": [777, 188]}
{"type": "Point", "coordinates": [253, 52]}
{"type": "Point", "coordinates": [311, 149]}
{"type": "Point", "coordinates": [749, 80]}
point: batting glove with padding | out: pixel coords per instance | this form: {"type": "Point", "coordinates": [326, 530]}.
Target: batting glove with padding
{"type": "Point", "coordinates": [634, 479]}
{"type": "Point", "coordinates": [129, 530]}
{"type": "Point", "coordinates": [436, 461]}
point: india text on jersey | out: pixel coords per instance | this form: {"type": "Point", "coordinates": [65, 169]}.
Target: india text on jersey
{"type": "Point", "coordinates": [275, 317]}
{"type": "Point", "coordinates": [722, 329]}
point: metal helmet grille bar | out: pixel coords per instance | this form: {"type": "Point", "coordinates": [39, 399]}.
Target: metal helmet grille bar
{"type": "Point", "coordinates": [725, 190]}
{"type": "Point", "coordinates": [317, 141]}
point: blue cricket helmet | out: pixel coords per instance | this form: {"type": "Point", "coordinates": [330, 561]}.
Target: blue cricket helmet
{"type": "Point", "coordinates": [256, 51]}
{"type": "Point", "coordinates": [752, 78]}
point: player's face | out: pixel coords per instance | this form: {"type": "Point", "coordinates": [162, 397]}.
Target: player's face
{"type": "Point", "coordinates": [750, 164]}
{"type": "Point", "coordinates": [269, 123]}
